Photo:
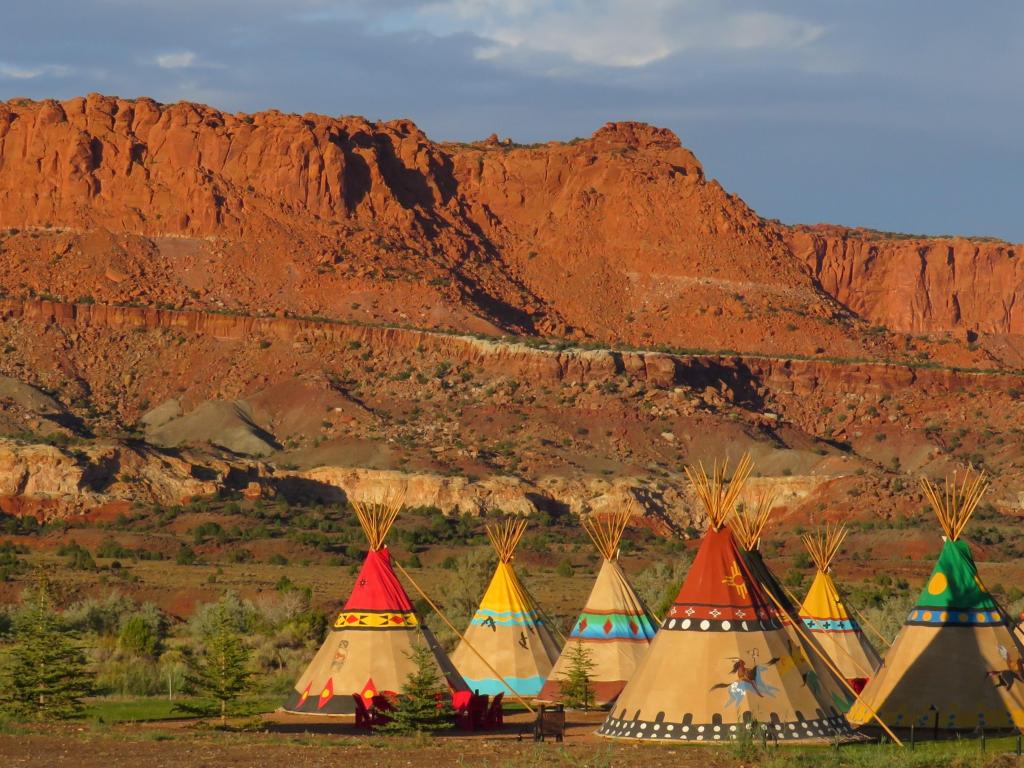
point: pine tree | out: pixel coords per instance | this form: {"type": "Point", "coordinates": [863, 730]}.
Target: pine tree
{"type": "Point", "coordinates": [45, 676]}
{"type": "Point", "coordinates": [221, 671]}
{"type": "Point", "coordinates": [418, 709]}
{"type": "Point", "coordinates": [577, 692]}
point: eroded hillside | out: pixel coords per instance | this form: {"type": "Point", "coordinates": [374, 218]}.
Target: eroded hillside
{"type": "Point", "coordinates": [291, 304]}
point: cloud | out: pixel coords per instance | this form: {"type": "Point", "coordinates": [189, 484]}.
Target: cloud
{"type": "Point", "coordinates": [627, 34]}
{"type": "Point", "coordinates": [176, 60]}
{"type": "Point", "coordinates": [16, 72]}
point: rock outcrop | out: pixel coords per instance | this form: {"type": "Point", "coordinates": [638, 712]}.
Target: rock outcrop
{"type": "Point", "coordinates": [53, 482]}
{"type": "Point", "coordinates": [919, 285]}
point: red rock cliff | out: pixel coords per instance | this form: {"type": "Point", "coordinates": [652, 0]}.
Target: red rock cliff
{"type": "Point", "coordinates": [919, 285]}
{"type": "Point", "coordinates": [619, 237]}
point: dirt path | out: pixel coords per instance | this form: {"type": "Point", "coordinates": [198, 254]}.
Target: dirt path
{"type": "Point", "coordinates": [302, 742]}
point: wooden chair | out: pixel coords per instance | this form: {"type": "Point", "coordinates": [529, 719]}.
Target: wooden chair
{"type": "Point", "coordinates": [379, 710]}
{"type": "Point", "coordinates": [363, 718]}
{"type": "Point", "coordinates": [472, 718]}
{"type": "Point", "coordinates": [494, 718]}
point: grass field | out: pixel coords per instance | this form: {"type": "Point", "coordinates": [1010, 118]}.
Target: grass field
{"type": "Point", "coordinates": [153, 709]}
{"type": "Point", "coordinates": [276, 740]}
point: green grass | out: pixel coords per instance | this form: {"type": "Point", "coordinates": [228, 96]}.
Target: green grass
{"type": "Point", "coordinates": [152, 708]}
{"type": "Point", "coordinates": [958, 753]}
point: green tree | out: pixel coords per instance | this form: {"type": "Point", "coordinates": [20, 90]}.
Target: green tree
{"type": "Point", "coordinates": [44, 675]}
{"type": "Point", "coordinates": [577, 691]}
{"type": "Point", "coordinates": [220, 671]}
{"type": "Point", "coordinates": [418, 709]}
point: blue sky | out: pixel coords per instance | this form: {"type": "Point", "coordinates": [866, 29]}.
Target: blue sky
{"type": "Point", "coordinates": [897, 114]}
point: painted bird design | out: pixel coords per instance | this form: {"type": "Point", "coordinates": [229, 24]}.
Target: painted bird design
{"type": "Point", "coordinates": [489, 623]}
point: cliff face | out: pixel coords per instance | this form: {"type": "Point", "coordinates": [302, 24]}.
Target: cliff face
{"type": "Point", "coordinates": [919, 285]}
{"type": "Point", "coordinates": [188, 169]}
{"type": "Point", "coordinates": [619, 237]}
{"type": "Point", "coordinates": [163, 257]}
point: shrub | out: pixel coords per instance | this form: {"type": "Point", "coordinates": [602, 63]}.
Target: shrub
{"type": "Point", "coordinates": [78, 557]}
{"type": "Point", "coordinates": [186, 555]}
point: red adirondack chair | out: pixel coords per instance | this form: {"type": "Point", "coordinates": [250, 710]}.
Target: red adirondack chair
{"type": "Point", "coordinates": [472, 718]}
{"type": "Point", "coordinates": [494, 717]}
{"type": "Point", "coordinates": [363, 718]}
{"type": "Point", "coordinates": [379, 711]}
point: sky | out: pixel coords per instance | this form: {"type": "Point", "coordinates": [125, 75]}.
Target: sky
{"type": "Point", "coordinates": [901, 115]}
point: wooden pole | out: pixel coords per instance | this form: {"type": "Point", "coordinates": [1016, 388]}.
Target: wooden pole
{"type": "Point", "coordinates": [864, 672]}
{"type": "Point", "coordinates": [831, 666]}
{"type": "Point", "coordinates": [867, 623]}
{"type": "Point", "coordinates": [462, 637]}
{"type": "Point", "coordinates": [542, 613]}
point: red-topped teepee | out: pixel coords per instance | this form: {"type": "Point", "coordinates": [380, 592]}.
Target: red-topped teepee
{"type": "Point", "coordinates": [367, 650]}
{"type": "Point", "coordinates": [722, 662]}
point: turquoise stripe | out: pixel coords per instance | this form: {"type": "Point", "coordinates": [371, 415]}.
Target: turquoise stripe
{"type": "Point", "coordinates": [524, 686]}
{"type": "Point", "coordinates": [502, 614]}
{"type": "Point", "coordinates": [831, 625]}
{"type": "Point", "coordinates": [592, 626]}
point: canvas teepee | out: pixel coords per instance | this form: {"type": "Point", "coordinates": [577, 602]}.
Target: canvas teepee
{"type": "Point", "coordinates": [615, 626]}
{"type": "Point", "coordinates": [749, 522]}
{"type": "Point", "coordinates": [507, 629]}
{"type": "Point", "coordinates": [367, 649]}
{"type": "Point", "coordinates": [722, 662]}
{"type": "Point", "coordinates": [824, 614]}
{"type": "Point", "coordinates": [956, 664]}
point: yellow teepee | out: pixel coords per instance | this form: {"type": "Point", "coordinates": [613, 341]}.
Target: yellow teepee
{"type": "Point", "coordinates": [824, 614]}
{"type": "Point", "coordinates": [507, 629]}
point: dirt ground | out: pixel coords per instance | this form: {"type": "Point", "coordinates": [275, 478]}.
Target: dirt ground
{"type": "Point", "coordinates": [290, 742]}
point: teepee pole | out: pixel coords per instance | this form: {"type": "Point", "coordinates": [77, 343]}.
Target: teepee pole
{"type": "Point", "coordinates": [849, 657]}
{"type": "Point", "coordinates": [543, 614]}
{"type": "Point", "coordinates": [867, 623]}
{"type": "Point", "coordinates": [461, 636]}
{"type": "Point", "coordinates": [718, 495]}
{"type": "Point", "coordinates": [829, 663]}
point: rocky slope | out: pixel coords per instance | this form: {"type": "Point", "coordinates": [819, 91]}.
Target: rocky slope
{"type": "Point", "coordinates": [183, 205]}
{"type": "Point", "coordinates": [277, 303]}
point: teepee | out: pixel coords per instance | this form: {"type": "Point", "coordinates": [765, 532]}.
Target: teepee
{"type": "Point", "coordinates": [956, 664]}
{"type": "Point", "coordinates": [749, 522]}
{"type": "Point", "coordinates": [367, 650]}
{"type": "Point", "coordinates": [824, 614]}
{"type": "Point", "coordinates": [722, 662]}
{"type": "Point", "coordinates": [507, 629]}
{"type": "Point", "coordinates": [615, 626]}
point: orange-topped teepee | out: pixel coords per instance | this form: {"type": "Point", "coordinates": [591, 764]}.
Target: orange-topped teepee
{"type": "Point", "coordinates": [722, 663]}
{"type": "Point", "coordinates": [367, 650]}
